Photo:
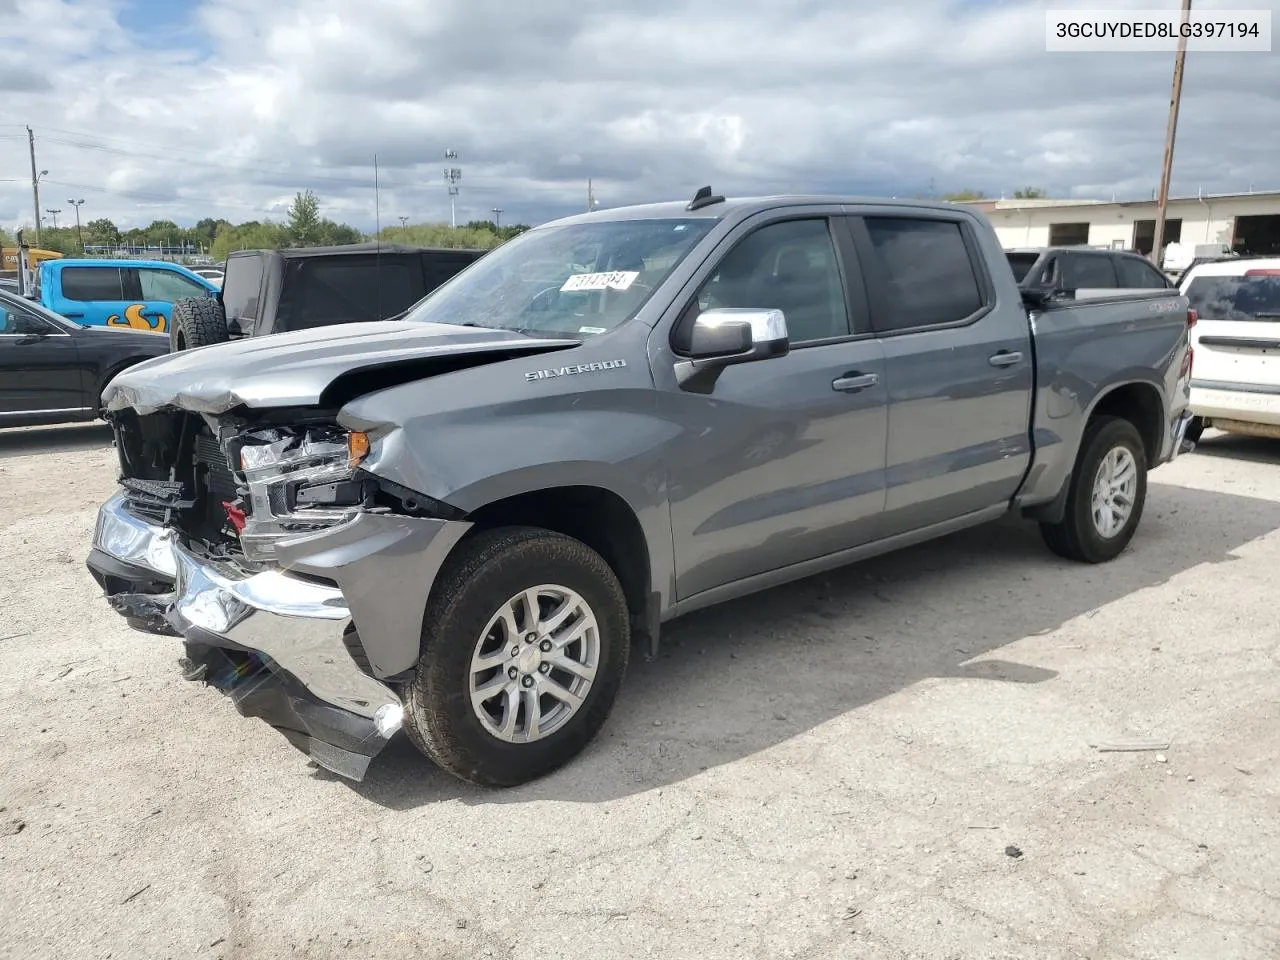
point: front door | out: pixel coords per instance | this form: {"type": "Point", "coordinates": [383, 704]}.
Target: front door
{"type": "Point", "coordinates": [786, 456]}
{"type": "Point", "coordinates": [40, 371]}
{"type": "Point", "coordinates": [959, 365]}
{"type": "Point", "coordinates": [94, 295]}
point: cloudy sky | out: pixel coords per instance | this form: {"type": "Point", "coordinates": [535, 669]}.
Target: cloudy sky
{"type": "Point", "coordinates": [193, 108]}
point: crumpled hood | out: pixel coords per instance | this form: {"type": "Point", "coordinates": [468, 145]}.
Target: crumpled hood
{"type": "Point", "coordinates": [293, 369]}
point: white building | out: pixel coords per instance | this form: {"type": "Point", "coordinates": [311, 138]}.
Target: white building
{"type": "Point", "coordinates": [1245, 222]}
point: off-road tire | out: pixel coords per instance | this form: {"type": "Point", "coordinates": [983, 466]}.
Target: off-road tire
{"type": "Point", "coordinates": [1195, 429]}
{"type": "Point", "coordinates": [197, 322]}
{"type": "Point", "coordinates": [1075, 537]}
{"type": "Point", "coordinates": [484, 572]}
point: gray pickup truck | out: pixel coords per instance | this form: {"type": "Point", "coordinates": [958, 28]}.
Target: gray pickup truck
{"type": "Point", "coordinates": [457, 524]}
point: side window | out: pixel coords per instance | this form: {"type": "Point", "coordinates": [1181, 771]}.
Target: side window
{"type": "Point", "coordinates": [1138, 275]}
{"type": "Point", "coordinates": [167, 285]}
{"type": "Point", "coordinates": [925, 267]}
{"type": "Point", "coordinates": [1083, 272]}
{"type": "Point", "coordinates": [17, 322]}
{"type": "Point", "coordinates": [241, 286]}
{"type": "Point", "coordinates": [87, 284]}
{"type": "Point", "coordinates": [789, 266]}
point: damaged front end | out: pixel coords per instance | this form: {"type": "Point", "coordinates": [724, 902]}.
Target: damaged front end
{"type": "Point", "coordinates": [297, 579]}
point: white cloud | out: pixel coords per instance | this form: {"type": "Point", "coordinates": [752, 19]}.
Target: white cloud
{"type": "Point", "coordinates": [649, 100]}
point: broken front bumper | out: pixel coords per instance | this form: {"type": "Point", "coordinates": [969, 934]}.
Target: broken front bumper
{"type": "Point", "coordinates": [282, 642]}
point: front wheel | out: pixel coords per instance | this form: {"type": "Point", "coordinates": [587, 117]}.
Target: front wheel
{"type": "Point", "coordinates": [1107, 493]}
{"type": "Point", "coordinates": [524, 647]}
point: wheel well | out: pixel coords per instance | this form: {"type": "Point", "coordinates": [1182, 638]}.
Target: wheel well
{"type": "Point", "coordinates": [600, 519]}
{"type": "Point", "coordinates": [111, 374]}
{"type": "Point", "coordinates": [1140, 404]}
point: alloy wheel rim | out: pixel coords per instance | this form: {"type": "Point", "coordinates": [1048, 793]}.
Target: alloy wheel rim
{"type": "Point", "coordinates": [534, 663]}
{"type": "Point", "coordinates": [1115, 487]}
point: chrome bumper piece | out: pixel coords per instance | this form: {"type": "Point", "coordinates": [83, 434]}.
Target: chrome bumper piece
{"type": "Point", "coordinates": [284, 647]}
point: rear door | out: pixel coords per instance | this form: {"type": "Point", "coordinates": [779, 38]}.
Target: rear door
{"type": "Point", "coordinates": [158, 288]}
{"type": "Point", "coordinates": [40, 370]}
{"type": "Point", "coordinates": [92, 294]}
{"type": "Point", "coordinates": [1237, 337]}
{"type": "Point", "coordinates": [958, 363]}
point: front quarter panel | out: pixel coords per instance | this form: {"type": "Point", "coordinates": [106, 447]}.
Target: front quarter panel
{"type": "Point", "coordinates": [473, 437]}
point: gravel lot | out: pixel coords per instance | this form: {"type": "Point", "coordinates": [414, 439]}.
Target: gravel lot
{"type": "Point", "coordinates": [892, 761]}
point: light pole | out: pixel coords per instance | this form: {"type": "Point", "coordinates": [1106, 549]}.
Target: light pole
{"type": "Point", "coordinates": [54, 213]}
{"type": "Point", "coordinates": [79, 235]}
{"type": "Point", "coordinates": [497, 216]}
{"type": "Point", "coordinates": [404, 225]}
{"type": "Point", "coordinates": [1175, 101]}
{"type": "Point", "coordinates": [35, 190]}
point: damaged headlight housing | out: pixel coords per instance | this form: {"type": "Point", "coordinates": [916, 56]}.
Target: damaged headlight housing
{"type": "Point", "coordinates": [296, 480]}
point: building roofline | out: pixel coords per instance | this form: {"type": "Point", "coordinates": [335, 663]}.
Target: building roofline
{"type": "Point", "coordinates": [1010, 203]}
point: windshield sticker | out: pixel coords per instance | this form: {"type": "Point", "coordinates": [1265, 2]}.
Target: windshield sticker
{"type": "Point", "coordinates": [591, 329]}
{"type": "Point", "coordinates": [611, 280]}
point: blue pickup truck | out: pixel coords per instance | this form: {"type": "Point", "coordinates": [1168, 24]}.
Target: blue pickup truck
{"type": "Point", "coordinates": [131, 294]}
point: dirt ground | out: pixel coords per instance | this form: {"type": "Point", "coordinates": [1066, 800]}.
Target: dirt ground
{"type": "Point", "coordinates": [894, 761]}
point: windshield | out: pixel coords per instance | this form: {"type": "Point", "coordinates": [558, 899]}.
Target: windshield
{"type": "Point", "coordinates": [1022, 264]}
{"type": "Point", "coordinates": [1235, 298]}
{"type": "Point", "coordinates": [576, 280]}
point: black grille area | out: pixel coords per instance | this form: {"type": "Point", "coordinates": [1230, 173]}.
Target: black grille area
{"type": "Point", "coordinates": [172, 470]}
{"type": "Point", "coordinates": [218, 478]}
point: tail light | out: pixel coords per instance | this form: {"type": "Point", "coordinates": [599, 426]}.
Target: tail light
{"type": "Point", "coordinates": [1269, 272]}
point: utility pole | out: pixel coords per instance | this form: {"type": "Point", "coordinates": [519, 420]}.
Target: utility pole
{"type": "Point", "coordinates": [79, 235]}
{"type": "Point", "coordinates": [404, 224]}
{"type": "Point", "coordinates": [497, 216]}
{"type": "Point", "coordinates": [55, 215]}
{"type": "Point", "coordinates": [591, 198]}
{"type": "Point", "coordinates": [1157, 242]}
{"type": "Point", "coordinates": [35, 180]}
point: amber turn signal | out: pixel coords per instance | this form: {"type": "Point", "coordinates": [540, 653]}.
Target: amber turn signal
{"type": "Point", "coordinates": [357, 448]}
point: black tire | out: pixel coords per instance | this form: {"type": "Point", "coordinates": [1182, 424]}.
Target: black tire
{"type": "Point", "coordinates": [1077, 537]}
{"type": "Point", "coordinates": [484, 572]}
{"type": "Point", "coordinates": [1195, 429]}
{"type": "Point", "coordinates": [197, 322]}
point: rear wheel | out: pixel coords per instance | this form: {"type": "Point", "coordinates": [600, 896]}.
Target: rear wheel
{"type": "Point", "coordinates": [525, 644]}
{"type": "Point", "coordinates": [197, 322]}
{"type": "Point", "coordinates": [1107, 493]}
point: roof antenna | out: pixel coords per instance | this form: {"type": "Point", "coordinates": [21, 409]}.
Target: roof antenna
{"type": "Point", "coordinates": [703, 198]}
{"type": "Point", "coordinates": [377, 236]}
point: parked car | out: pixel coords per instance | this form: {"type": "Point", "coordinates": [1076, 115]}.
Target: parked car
{"type": "Point", "coordinates": [1237, 346]}
{"type": "Point", "coordinates": [118, 294]}
{"type": "Point", "coordinates": [209, 273]}
{"type": "Point", "coordinates": [277, 291]}
{"type": "Point", "coordinates": [1064, 270]}
{"type": "Point", "coordinates": [455, 524]}
{"type": "Point", "coordinates": [53, 370]}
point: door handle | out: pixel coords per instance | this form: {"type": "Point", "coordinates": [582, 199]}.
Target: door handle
{"type": "Point", "coordinates": [1005, 358]}
{"type": "Point", "coordinates": [854, 381]}
{"type": "Point", "coordinates": [73, 316]}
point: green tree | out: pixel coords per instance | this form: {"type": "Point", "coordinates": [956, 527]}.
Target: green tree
{"type": "Point", "coordinates": [304, 222]}
{"type": "Point", "coordinates": [968, 193]}
{"type": "Point", "coordinates": [249, 236]}
{"type": "Point", "coordinates": [338, 234]}
{"type": "Point", "coordinates": [101, 230]}
{"type": "Point", "coordinates": [1030, 193]}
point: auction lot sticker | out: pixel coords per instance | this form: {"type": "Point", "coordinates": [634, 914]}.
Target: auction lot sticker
{"type": "Point", "coordinates": [612, 280]}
